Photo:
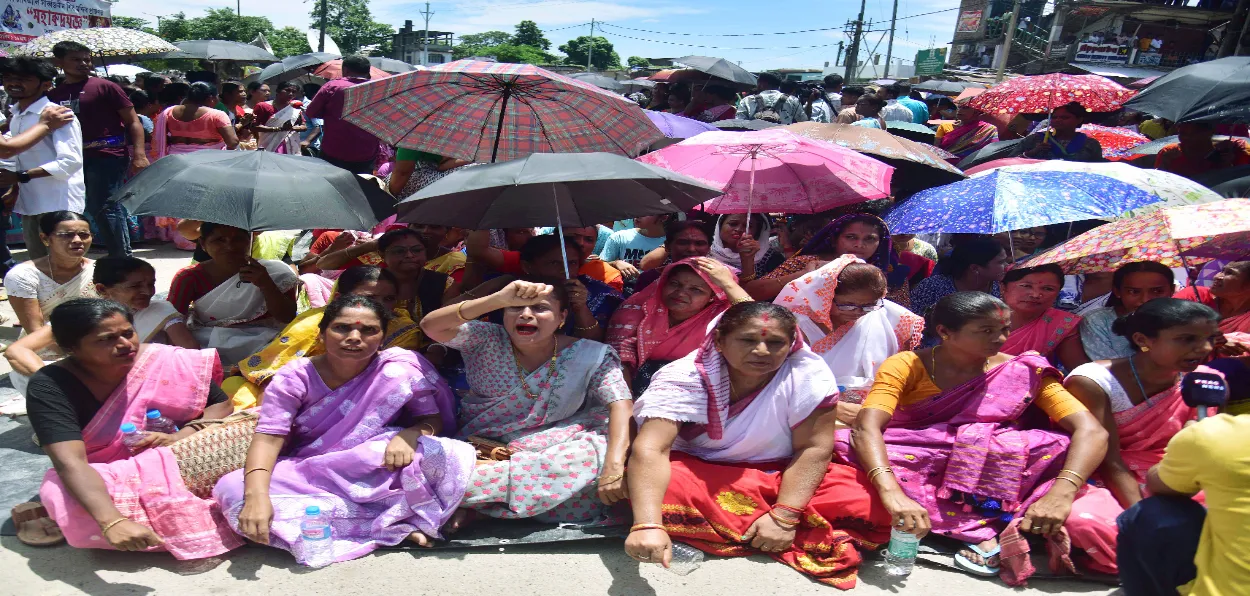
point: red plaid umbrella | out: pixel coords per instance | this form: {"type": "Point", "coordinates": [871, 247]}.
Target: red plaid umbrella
{"type": "Point", "coordinates": [478, 110]}
{"type": "Point", "coordinates": [1043, 93]}
{"type": "Point", "coordinates": [1115, 141]}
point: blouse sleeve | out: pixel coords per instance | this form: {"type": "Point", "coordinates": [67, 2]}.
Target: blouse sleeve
{"type": "Point", "coordinates": [894, 380]}
{"type": "Point", "coordinates": [608, 383]}
{"type": "Point", "coordinates": [282, 400]}
{"type": "Point", "coordinates": [473, 337]}
{"type": "Point", "coordinates": [1055, 400]}
{"type": "Point", "coordinates": [220, 119]}
{"type": "Point", "coordinates": [22, 282]}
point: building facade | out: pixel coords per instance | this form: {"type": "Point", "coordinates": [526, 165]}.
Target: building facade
{"type": "Point", "coordinates": [421, 47]}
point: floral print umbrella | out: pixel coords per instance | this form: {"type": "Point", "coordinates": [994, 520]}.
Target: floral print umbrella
{"type": "Point", "coordinates": [1116, 141]}
{"type": "Point", "coordinates": [1000, 201]}
{"type": "Point", "coordinates": [105, 42]}
{"type": "Point", "coordinates": [1171, 190]}
{"type": "Point", "coordinates": [1043, 93]}
{"type": "Point", "coordinates": [1200, 232]}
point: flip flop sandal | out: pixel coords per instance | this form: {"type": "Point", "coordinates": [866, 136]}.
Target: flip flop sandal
{"type": "Point", "coordinates": [34, 526]}
{"type": "Point", "coordinates": [966, 564]}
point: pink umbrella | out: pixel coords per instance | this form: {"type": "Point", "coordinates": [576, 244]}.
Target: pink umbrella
{"type": "Point", "coordinates": [775, 171]}
{"type": "Point", "coordinates": [998, 163]}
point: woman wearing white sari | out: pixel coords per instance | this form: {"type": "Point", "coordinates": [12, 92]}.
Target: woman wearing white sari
{"type": "Point", "coordinates": [280, 132]}
{"type": "Point", "coordinates": [842, 311]}
{"type": "Point", "coordinates": [125, 280]}
{"type": "Point", "coordinates": [36, 287]}
{"type": "Point", "coordinates": [232, 302]}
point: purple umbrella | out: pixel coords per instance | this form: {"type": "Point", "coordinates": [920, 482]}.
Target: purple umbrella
{"type": "Point", "coordinates": [677, 127]}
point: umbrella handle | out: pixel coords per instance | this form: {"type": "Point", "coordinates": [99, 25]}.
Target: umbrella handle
{"type": "Point", "coordinates": [564, 257]}
{"type": "Point", "coordinates": [751, 190]}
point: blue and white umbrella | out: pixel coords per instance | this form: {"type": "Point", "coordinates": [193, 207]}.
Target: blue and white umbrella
{"type": "Point", "coordinates": [1001, 201]}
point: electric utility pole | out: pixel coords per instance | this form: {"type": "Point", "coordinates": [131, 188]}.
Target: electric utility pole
{"type": "Point", "coordinates": [852, 54]}
{"type": "Point", "coordinates": [425, 35]}
{"type": "Point", "coordinates": [1011, 35]}
{"type": "Point", "coordinates": [889, 49]}
{"type": "Point", "coordinates": [321, 43]}
{"type": "Point", "coordinates": [590, 47]}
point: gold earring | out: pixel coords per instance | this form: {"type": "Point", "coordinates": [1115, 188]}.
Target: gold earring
{"type": "Point", "coordinates": [1145, 348]}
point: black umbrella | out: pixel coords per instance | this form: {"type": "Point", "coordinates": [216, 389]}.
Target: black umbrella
{"type": "Point", "coordinates": [909, 130]}
{"type": "Point", "coordinates": [294, 66]}
{"type": "Point", "coordinates": [391, 65]}
{"type": "Point", "coordinates": [599, 81]}
{"type": "Point", "coordinates": [1154, 147]}
{"type": "Point", "coordinates": [744, 124]}
{"type": "Point", "coordinates": [255, 190]}
{"type": "Point", "coordinates": [216, 49]}
{"type": "Point", "coordinates": [718, 67]}
{"type": "Point", "coordinates": [1215, 90]}
{"type": "Point", "coordinates": [987, 153]}
{"type": "Point", "coordinates": [1229, 182]}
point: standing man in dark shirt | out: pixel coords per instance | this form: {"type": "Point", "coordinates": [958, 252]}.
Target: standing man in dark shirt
{"type": "Point", "coordinates": [342, 143]}
{"type": "Point", "coordinates": [109, 127]}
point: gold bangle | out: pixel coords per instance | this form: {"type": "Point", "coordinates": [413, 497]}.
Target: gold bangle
{"type": "Point", "coordinates": [1078, 477]}
{"type": "Point", "coordinates": [256, 470]}
{"type": "Point", "coordinates": [878, 470]}
{"type": "Point", "coordinates": [109, 526]}
{"type": "Point", "coordinates": [1074, 483]}
{"type": "Point", "coordinates": [458, 313]}
{"type": "Point", "coordinates": [637, 527]}
{"type": "Point", "coordinates": [611, 479]}
{"type": "Point", "coordinates": [738, 301]}
{"type": "Point", "coordinates": [426, 425]}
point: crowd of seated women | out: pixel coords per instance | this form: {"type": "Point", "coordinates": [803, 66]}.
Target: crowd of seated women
{"type": "Point", "coordinates": [797, 395]}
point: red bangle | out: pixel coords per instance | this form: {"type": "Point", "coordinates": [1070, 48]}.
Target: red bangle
{"type": "Point", "coordinates": [794, 510]}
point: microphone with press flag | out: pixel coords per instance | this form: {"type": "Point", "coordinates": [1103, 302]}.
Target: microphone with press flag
{"type": "Point", "coordinates": [1203, 390]}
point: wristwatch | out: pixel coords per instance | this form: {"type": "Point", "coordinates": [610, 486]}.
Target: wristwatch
{"type": "Point", "coordinates": [23, 176]}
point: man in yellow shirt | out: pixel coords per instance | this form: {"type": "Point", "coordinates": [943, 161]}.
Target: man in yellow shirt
{"type": "Point", "coordinates": [1164, 546]}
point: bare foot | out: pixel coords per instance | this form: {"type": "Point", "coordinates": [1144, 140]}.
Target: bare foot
{"type": "Point", "coordinates": [457, 521]}
{"type": "Point", "coordinates": [987, 546]}
{"type": "Point", "coordinates": [421, 539]}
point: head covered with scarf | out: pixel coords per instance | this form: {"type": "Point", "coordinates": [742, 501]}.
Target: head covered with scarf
{"type": "Point", "coordinates": [826, 242]}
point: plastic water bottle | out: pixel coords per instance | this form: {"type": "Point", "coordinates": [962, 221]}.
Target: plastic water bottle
{"type": "Point", "coordinates": [317, 538]}
{"type": "Point", "coordinates": [686, 558]}
{"type": "Point", "coordinates": [156, 423]}
{"type": "Point", "coordinates": [900, 556]}
{"type": "Point", "coordinates": [131, 435]}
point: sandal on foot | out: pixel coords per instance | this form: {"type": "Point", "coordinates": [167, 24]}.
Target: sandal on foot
{"type": "Point", "coordinates": [966, 564]}
{"type": "Point", "coordinates": [34, 526]}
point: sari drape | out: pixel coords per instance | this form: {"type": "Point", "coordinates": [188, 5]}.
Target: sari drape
{"type": "Point", "coordinates": [286, 141]}
{"type": "Point", "coordinates": [233, 317]}
{"type": "Point", "coordinates": [966, 139]}
{"type": "Point", "coordinates": [1043, 334]}
{"type": "Point", "coordinates": [333, 457]}
{"type": "Point", "coordinates": [968, 441]}
{"type": "Point", "coordinates": [80, 286]}
{"type": "Point", "coordinates": [147, 488]}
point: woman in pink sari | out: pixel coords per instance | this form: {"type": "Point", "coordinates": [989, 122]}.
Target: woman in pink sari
{"type": "Point", "coordinates": [99, 495]}
{"type": "Point", "coordinates": [1036, 325]}
{"type": "Point", "coordinates": [1138, 400]}
{"type": "Point", "coordinates": [950, 441]}
{"type": "Point", "coordinates": [1229, 295]}
{"type": "Point", "coordinates": [666, 320]}
{"type": "Point", "coordinates": [351, 431]}
{"type": "Point", "coordinates": [970, 133]}
{"type": "Point", "coordinates": [193, 125]}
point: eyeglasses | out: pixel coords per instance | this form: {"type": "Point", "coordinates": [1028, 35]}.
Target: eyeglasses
{"type": "Point", "coordinates": [878, 305]}
{"type": "Point", "coordinates": [72, 235]}
{"type": "Point", "coordinates": [399, 251]}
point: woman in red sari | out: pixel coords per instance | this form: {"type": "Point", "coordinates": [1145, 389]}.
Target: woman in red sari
{"type": "Point", "coordinates": [1138, 400]}
{"type": "Point", "coordinates": [1035, 324]}
{"type": "Point", "coordinates": [734, 452]}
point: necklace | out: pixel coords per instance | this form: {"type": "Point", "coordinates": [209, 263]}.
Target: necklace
{"type": "Point", "coordinates": [551, 369]}
{"type": "Point", "coordinates": [1133, 368]}
{"type": "Point", "coordinates": [933, 365]}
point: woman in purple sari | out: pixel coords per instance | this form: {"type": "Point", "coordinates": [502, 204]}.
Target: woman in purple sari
{"type": "Point", "coordinates": [950, 443]}
{"type": "Point", "coordinates": [351, 431]}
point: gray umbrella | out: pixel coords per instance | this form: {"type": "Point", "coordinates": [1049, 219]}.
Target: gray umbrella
{"type": "Point", "coordinates": [599, 81]}
{"type": "Point", "coordinates": [718, 67]}
{"type": "Point", "coordinates": [216, 49]}
{"type": "Point", "coordinates": [254, 190]}
{"type": "Point", "coordinates": [543, 189]}
{"type": "Point", "coordinates": [946, 87]}
{"type": "Point", "coordinates": [294, 66]}
{"type": "Point", "coordinates": [741, 125]}
{"type": "Point", "coordinates": [636, 84]}
{"type": "Point", "coordinates": [391, 65]}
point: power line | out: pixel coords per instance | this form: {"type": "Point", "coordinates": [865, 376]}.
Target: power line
{"type": "Point", "coordinates": [923, 14]}
{"type": "Point", "coordinates": [691, 45]}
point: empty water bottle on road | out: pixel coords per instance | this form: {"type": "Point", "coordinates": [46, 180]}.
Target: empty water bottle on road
{"type": "Point", "coordinates": [131, 435]}
{"type": "Point", "coordinates": [686, 558]}
{"type": "Point", "coordinates": [156, 423]}
{"type": "Point", "coordinates": [317, 538]}
{"type": "Point", "coordinates": [900, 556]}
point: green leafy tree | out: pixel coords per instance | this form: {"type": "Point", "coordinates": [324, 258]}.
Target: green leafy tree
{"type": "Point", "coordinates": [352, 26]}
{"type": "Point", "coordinates": [475, 44]}
{"type": "Point", "coordinates": [638, 62]}
{"type": "Point", "coordinates": [176, 27]}
{"type": "Point", "coordinates": [528, 34]}
{"type": "Point", "coordinates": [288, 41]}
{"type": "Point", "coordinates": [519, 54]}
{"type": "Point", "coordinates": [603, 58]}
{"type": "Point", "coordinates": [223, 23]}
{"type": "Point", "coordinates": [133, 23]}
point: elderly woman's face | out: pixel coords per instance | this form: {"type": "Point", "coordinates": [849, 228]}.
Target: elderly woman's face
{"type": "Point", "coordinates": [685, 293]}
{"type": "Point", "coordinates": [535, 323]}
{"type": "Point", "coordinates": [757, 347]}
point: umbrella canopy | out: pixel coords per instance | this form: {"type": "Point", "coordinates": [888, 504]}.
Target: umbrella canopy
{"type": "Point", "coordinates": [216, 49]}
{"type": "Point", "coordinates": [333, 69]}
{"type": "Point", "coordinates": [105, 42]}
{"type": "Point", "coordinates": [1000, 201]}
{"type": "Point", "coordinates": [599, 81]}
{"type": "Point", "coordinates": [1116, 142]}
{"type": "Point", "coordinates": [542, 189]}
{"type": "Point", "coordinates": [744, 124]}
{"type": "Point", "coordinates": [947, 87]}
{"type": "Point", "coordinates": [1000, 163]}
{"type": "Point", "coordinates": [719, 68]}
{"type": "Point", "coordinates": [1228, 182]}
{"type": "Point", "coordinates": [1143, 83]}
{"type": "Point", "coordinates": [909, 130]}
{"type": "Point", "coordinates": [916, 166]}
{"type": "Point", "coordinates": [125, 70]}
{"type": "Point", "coordinates": [988, 153]}
{"type": "Point", "coordinates": [391, 65]}
{"type": "Point", "coordinates": [775, 171]}
{"type": "Point", "coordinates": [1043, 93]}
{"type": "Point", "coordinates": [1171, 190]}
{"type": "Point", "coordinates": [1215, 90]}
{"type": "Point", "coordinates": [1155, 146]}
{"type": "Point", "coordinates": [494, 111]}
{"type": "Point", "coordinates": [253, 190]}
{"type": "Point", "coordinates": [677, 127]}
{"type": "Point", "coordinates": [635, 84]}
{"type": "Point", "coordinates": [1209, 230]}
{"type": "Point", "coordinates": [294, 66]}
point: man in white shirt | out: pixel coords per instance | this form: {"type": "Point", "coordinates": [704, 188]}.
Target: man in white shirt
{"type": "Point", "coordinates": [893, 110]}
{"type": "Point", "coordinates": [49, 174]}
{"type": "Point", "coordinates": [787, 108]}
{"type": "Point", "coordinates": [833, 93]}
